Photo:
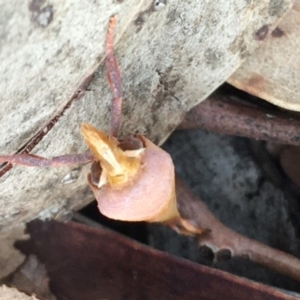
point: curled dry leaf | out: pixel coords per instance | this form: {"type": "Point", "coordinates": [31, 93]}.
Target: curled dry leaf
{"type": "Point", "coordinates": [138, 187]}
{"type": "Point", "coordinates": [273, 71]}
{"type": "Point", "coordinates": [134, 184]}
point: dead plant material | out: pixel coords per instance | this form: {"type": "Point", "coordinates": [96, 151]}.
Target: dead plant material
{"type": "Point", "coordinates": [272, 72]}
{"type": "Point", "coordinates": [126, 269]}
{"type": "Point", "coordinates": [228, 115]}
{"type": "Point", "coordinates": [221, 237]}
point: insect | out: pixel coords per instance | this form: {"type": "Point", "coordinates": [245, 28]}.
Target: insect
{"type": "Point", "coordinates": [132, 179]}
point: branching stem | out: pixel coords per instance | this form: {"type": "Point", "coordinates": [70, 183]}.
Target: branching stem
{"type": "Point", "coordinates": [222, 237]}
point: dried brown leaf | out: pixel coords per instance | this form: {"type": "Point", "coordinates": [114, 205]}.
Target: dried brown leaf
{"type": "Point", "coordinates": [273, 71]}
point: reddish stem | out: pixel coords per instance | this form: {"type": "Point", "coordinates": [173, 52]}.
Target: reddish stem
{"type": "Point", "coordinates": [222, 237]}
{"type": "Point", "coordinates": [31, 160]}
{"type": "Point", "coordinates": [226, 115]}
{"type": "Point", "coordinates": [114, 79]}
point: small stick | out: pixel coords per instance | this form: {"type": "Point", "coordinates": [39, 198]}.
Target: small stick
{"type": "Point", "coordinates": [224, 115]}
{"type": "Point", "coordinates": [31, 160]}
{"type": "Point", "coordinates": [221, 237]}
{"type": "Point", "coordinates": [114, 79]}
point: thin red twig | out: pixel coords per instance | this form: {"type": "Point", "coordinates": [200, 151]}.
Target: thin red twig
{"type": "Point", "coordinates": [31, 160]}
{"type": "Point", "coordinates": [114, 79]}
{"type": "Point", "coordinates": [226, 115]}
{"type": "Point", "coordinates": [221, 237]}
